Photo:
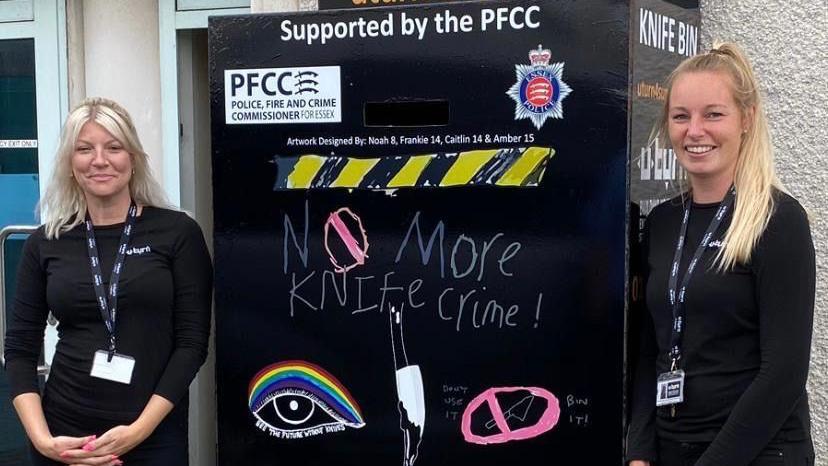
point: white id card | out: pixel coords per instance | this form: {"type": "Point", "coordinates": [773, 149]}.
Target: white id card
{"type": "Point", "coordinates": [117, 370]}
{"type": "Point", "coordinates": [670, 388]}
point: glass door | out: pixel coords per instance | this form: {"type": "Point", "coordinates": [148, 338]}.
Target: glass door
{"type": "Point", "coordinates": [19, 186]}
{"type": "Point", "coordinates": [19, 189]}
{"type": "Point", "coordinates": [33, 102]}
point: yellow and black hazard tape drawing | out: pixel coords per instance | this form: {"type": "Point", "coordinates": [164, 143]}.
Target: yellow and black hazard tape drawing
{"type": "Point", "coordinates": [523, 166]}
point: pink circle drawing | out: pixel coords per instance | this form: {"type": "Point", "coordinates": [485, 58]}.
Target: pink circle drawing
{"type": "Point", "coordinates": [547, 421]}
{"type": "Point", "coordinates": [357, 248]}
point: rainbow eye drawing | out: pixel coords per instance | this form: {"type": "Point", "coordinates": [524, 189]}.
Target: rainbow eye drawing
{"type": "Point", "coordinates": [297, 399]}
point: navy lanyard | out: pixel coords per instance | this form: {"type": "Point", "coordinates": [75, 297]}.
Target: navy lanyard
{"type": "Point", "coordinates": [108, 304]}
{"type": "Point", "coordinates": [677, 296]}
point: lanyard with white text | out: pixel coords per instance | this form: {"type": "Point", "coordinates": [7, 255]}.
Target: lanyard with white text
{"type": "Point", "coordinates": [108, 304]}
{"type": "Point", "coordinates": [677, 297]}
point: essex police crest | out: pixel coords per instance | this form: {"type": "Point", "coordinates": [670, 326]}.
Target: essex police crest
{"type": "Point", "coordinates": [539, 89]}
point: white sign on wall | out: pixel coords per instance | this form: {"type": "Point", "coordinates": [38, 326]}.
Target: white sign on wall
{"type": "Point", "coordinates": [18, 143]}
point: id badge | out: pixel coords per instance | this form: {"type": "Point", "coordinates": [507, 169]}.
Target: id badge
{"type": "Point", "coordinates": [670, 388]}
{"type": "Point", "coordinates": [117, 370]}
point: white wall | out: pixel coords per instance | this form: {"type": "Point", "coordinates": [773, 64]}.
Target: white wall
{"type": "Point", "coordinates": [121, 58]}
{"type": "Point", "coordinates": [788, 43]}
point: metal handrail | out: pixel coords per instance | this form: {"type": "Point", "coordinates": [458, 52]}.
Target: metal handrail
{"type": "Point", "coordinates": [4, 235]}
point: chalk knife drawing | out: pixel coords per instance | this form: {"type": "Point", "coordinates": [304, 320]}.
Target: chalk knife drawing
{"type": "Point", "coordinates": [411, 404]}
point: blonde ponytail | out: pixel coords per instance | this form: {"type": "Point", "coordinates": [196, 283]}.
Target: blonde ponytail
{"type": "Point", "coordinates": [755, 178]}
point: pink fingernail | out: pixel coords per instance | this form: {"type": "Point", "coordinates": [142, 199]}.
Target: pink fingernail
{"type": "Point", "coordinates": [88, 447]}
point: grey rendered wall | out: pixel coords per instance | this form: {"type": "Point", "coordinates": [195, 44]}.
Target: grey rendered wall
{"type": "Point", "coordinates": [788, 43]}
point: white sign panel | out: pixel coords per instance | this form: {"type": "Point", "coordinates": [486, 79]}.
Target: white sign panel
{"type": "Point", "coordinates": [282, 95]}
{"type": "Point", "coordinates": [18, 143]}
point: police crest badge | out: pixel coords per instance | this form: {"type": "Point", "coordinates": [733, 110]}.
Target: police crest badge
{"type": "Point", "coordinates": [539, 89]}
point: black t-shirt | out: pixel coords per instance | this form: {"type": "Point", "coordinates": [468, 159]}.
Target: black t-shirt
{"type": "Point", "coordinates": [163, 321]}
{"type": "Point", "coordinates": [746, 343]}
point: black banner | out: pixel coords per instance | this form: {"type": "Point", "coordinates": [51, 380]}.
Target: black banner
{"type": "Point", "coordinates": [664, 34]}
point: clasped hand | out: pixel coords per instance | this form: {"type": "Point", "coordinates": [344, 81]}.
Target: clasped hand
{"type": "Point", "coordinates": [96, 451]}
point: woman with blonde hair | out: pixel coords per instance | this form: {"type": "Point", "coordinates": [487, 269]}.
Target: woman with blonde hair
{"type": "Point", "coordinates": [730, 276]}
{"type": "Point", "coordinates": [130, 282]}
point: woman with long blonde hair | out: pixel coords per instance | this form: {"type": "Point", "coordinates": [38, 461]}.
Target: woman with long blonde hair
{"type": "Point", "coordinates": [130, 281]}
{"type": "Point", "coordinates": [730, 276]}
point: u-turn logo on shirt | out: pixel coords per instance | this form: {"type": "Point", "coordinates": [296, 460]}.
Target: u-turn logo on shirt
{"type": "Point", "coordinates": [138, 250]}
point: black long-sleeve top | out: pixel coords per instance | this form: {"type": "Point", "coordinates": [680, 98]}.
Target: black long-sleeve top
{"type": "Point", "coordinates": [746, 344]}
{"type": "Point", "coordinates": [163, 321]}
